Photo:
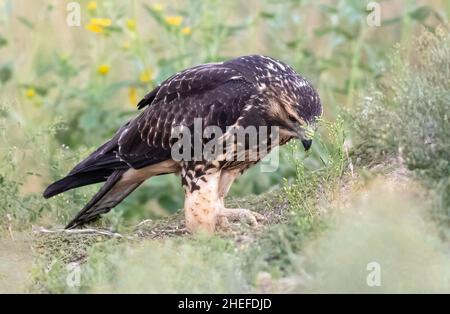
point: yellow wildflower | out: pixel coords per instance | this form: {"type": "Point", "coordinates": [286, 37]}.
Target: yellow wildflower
{"type": "Point", "coordinates": [146, 76]}
{"type": "Point", "coordinates": [158, 7]}
{"type": "Point", "coordinates": [30, 92]}
{"type": "Point", "coordinates": [92, 5]}
{"type": "Point", "coordinates": [131, 24]}
{"type": "Point", "coordinates": [103, 22]}
{"type": "Point", "coordinates": [103, 69]}
{"type": "Point", "coordinates": [186, 30]}
{"type": "Point", "coordinates": [94, 28]}
{"type": "Point", "coordinates": [132, 95]}
{"type": "Point", "coordinates": [174, 20]}
{"type": "Point", "coordinates": [96, 25]}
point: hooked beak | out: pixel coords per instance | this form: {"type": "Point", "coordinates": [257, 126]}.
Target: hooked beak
{"type": "Point", "coordinates": [307, 144]}
{"type": "Point", "coordinates": [302, 135]}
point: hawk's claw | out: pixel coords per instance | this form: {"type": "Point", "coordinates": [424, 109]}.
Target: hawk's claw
{"type": "Point", "coordinates": [239, 214]}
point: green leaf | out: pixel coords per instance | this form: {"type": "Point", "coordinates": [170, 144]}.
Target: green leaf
{"type": "Point", "coordinates": [327, 8]}
{"type": "Point", "coordinates": [156, 15]}
{"type": "Point", "coordinates": [421, 13]}
{"type": "Point", "coordinates": [168, 202]}
{"type": "Point", "coordinates": [26, 22]}
{"type": "Point", "coordinates": [3, 41]}
{"type": "Point", "coordinates": [267, 15]}
{"type": "Point", "coordinates": [113, 28]}
{"type": "Point", "coordinates": [41, 91]}
{"type": "Point", "coordinates": [321, 31]}
{"type": "Point", "coordinates": [293, 43]}
{"type": "Point", "coordinates": [391, 21]}
{"type": "Point", "coordinates": [5, 73]}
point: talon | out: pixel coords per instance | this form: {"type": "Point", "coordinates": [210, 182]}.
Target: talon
{"type": "Point", "coordinates": [223, 223]}
{"type": "Point", "coordinates": [258, 216]}
{"type": "Point", "coordinates": [237, 214]}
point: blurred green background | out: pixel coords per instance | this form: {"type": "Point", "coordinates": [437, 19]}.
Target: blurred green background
{"type": "Point", "coordinates": [66, 89]}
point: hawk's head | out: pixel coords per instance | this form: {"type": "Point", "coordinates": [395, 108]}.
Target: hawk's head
{"type": "Point", "coordinates": [296, 109]}
{"type": "Point", "coordinates": [288, 100]}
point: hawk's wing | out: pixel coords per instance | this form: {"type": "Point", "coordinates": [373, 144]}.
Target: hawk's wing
{"type": "Point", "coordinates": [212, 92]}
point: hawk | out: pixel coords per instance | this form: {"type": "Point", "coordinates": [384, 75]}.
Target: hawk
{"type": "Point", "coordinates": [246, 91]}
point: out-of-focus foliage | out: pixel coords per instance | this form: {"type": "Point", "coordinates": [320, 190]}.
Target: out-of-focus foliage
{"type": "Point", "coordinates": [203, 264]}
{"type": "Point", "coordinates": [408, 114]}
{"type": "Point", "coordinates": [66, 89]}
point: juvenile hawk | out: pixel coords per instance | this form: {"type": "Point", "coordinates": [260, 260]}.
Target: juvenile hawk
{"type": "Point", "coordinates": [247, 91]}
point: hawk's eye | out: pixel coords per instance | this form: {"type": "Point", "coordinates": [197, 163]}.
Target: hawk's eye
{"type": "Point", "coordinates": [293, 119]}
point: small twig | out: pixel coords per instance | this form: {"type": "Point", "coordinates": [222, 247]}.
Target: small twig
{"type": "Point", "coordinates": [176, 231]}
{"type": "Point", "coordinates": [87, 231]}
{"type": "Point", "coordinates": [143, 222]}
{"type": "Point", "coordinates": [10, 226]}
{"type": "Point", "coordinates": [347, 145]}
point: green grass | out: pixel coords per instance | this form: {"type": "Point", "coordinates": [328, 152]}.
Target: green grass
{"type": "Point", "coordinates": [56, 106]}
{"type": "Point", "coordinates": [230, 262]}
{"type": "Point", "coordinates": [65, 107]}
{"type": "Point", "coordinates": [408, 116]}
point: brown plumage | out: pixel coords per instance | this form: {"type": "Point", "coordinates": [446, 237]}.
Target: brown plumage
{"type": "Point", "coordinates": [246, 91]}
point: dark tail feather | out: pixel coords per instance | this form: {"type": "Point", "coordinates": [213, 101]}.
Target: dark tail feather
{"type": "Point", "coordinates": [77, 180]}
{"type": "Point", "coordinates": [111, 194]}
